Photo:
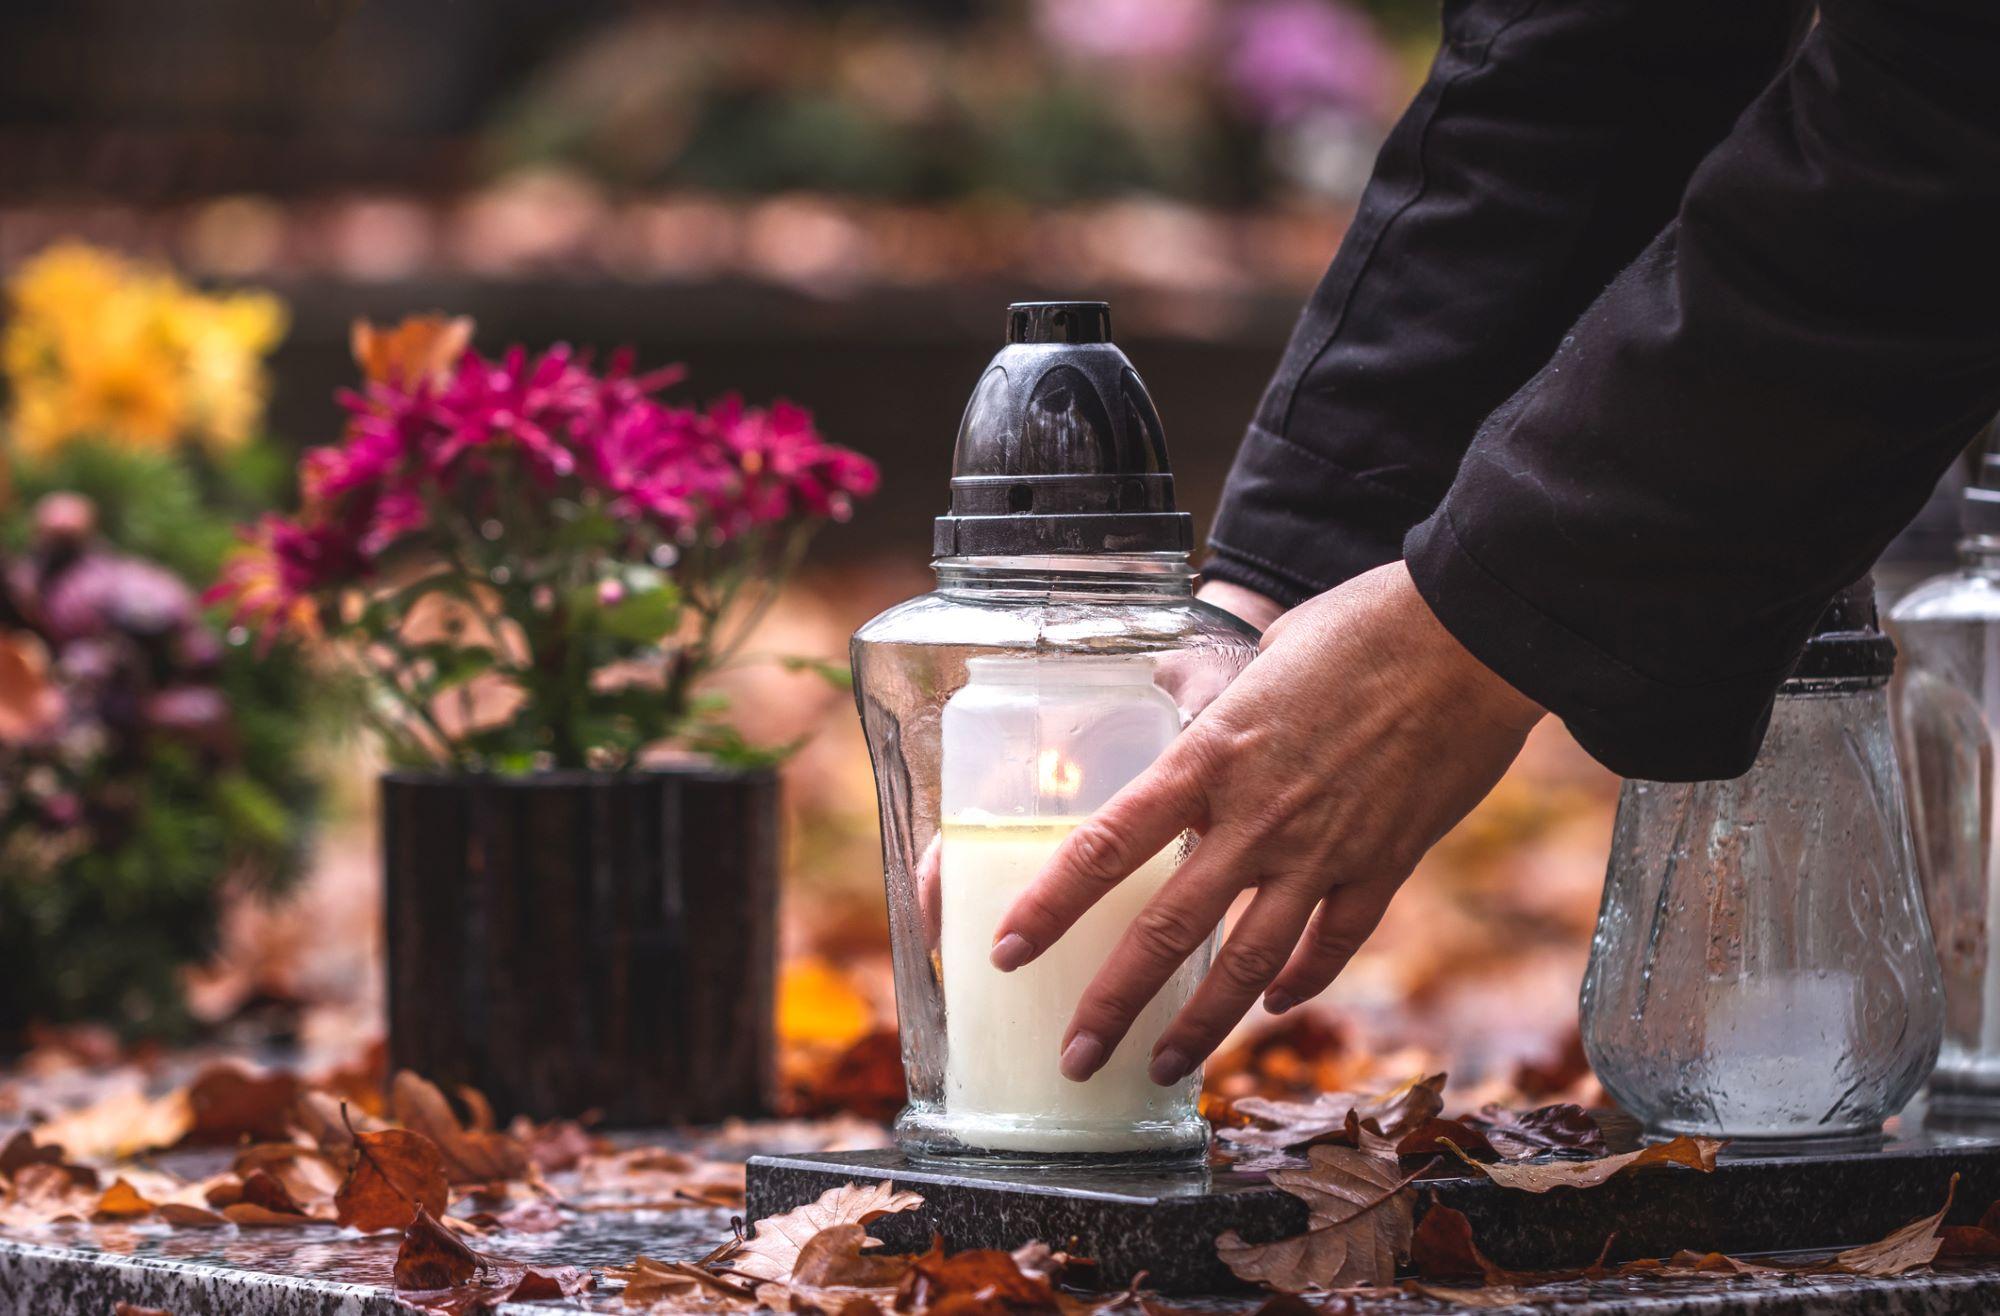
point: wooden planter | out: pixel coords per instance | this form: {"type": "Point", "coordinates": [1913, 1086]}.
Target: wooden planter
{"type": "Point", "coordinates": [574, 942]}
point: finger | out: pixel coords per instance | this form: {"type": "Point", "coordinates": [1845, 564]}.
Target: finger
{"type": "Point", "coordinates": [1252, 956]}
{"type": "Point", "coordinates": [1133, 826]}
{"type": "Point", "coordinates": [1179, 918]}
{"type": "Point", "coordinates": [1344, 920]}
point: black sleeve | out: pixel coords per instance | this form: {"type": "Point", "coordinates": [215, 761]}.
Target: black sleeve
{"type": "Point", "coordinates": [1642, 536]}
{"type": "Point", "coordinates": [1551, 141]}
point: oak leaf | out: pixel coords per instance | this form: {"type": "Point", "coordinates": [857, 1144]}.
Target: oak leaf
{"type": "Point", "coordinates": [1359, 1221]}
{"type": "Point", "coordinates": [772, 1251]}
{"type": "Point", "coordinates": [471, 1155]}
{"type": "Point", "coordinates": [396, 1173]}
{"type": "Point", "coordinates": [1517, 1135]}
{"type": "Point", "coordinates": [1326, 1117]}
{"type": "Point", "coordinates": [1915, 1244]}
{"type": "Point", "coordinates": [1543, 1176]}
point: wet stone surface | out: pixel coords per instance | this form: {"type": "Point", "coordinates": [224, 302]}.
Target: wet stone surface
{"type": "Point", "coordinates": [85, 1270]}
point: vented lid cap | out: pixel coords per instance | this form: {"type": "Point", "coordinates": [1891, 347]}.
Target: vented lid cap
{"type": "Point", "coordinates": [1060, 450]}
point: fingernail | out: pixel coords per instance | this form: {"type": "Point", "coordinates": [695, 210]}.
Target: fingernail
{"type": "Point", "coordinates": [1011, 952]}
{"type": "Point", "coordinates": [1169, 1066]}
{"type": "Point", "coordinates": [1279, 1002]}
{"type": "Point", "coordinates": [1081, 1057]}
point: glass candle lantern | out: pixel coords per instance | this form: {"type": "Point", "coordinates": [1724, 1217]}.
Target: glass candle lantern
{"type": "Point", "coordinates": [1762, 968]}
{"type": "Point", "coordinates": [1947, 712]}
{"type": "Point", "coordinates": [1062, 651]}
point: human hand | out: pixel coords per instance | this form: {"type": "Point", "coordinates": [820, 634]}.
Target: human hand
{"type": "Point", "coordinates": [1361, 733]}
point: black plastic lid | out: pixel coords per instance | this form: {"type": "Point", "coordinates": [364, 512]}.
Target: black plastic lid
{"type": "Point", "coordinates": [1060, 450]}
{"type": "Point", "coordinates": [1847, 648]}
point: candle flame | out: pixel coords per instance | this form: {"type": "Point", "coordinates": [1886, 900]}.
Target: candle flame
{"type": "Point", "coordinates": [1061, 777]}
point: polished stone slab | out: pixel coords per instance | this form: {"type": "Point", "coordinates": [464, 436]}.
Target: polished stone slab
{"type": "Point", "coordinates": [1165, 1224]}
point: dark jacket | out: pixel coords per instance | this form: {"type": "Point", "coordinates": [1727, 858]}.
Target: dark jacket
{"type": "Point", "coordinates": [1656, 322]}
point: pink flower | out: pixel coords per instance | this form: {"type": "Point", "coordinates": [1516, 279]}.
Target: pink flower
{"type": "Point", "coordinates": [272, 582]}
{"type": "Point", "coordinates": [786, 468]}
{"type": "Point", "coordinates": [537, 407]}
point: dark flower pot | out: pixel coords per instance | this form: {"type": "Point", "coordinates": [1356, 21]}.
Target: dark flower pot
{"type": "Point", "coordinates": [576, 942]}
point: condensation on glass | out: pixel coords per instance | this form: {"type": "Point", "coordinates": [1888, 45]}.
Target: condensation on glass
{"type": "Point", "coordinates": [1060, 654]}
{"type": "Point", "coordinates": [1947, 707]}
{"type": "Point", "coordinates": [1762, 968]}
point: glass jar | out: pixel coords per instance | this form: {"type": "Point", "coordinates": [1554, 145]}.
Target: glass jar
{"type": "Point", "coordinates": [1762, 968]}
{"type": "Point", "coordinates": [1947, 706]}
{"type": "Point", "coordinates": [1000, 711]}
{"type": "Point", "coordinates": [1061, 652]}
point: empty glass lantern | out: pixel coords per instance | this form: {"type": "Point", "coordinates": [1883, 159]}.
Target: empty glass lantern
{"type": "Point", "coordinates": [1061, 652]}
{"type": "Point", "coordinates": [1762, 968]}
{"type": "Point", "coordinates": [1947, 707]}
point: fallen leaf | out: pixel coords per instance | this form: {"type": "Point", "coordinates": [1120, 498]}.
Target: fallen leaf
{"type": "Point", "coordinates": [396, 1173]}
{"type": "Point", "coordinates": [190, 1217]}
{"type": "Point", "coordinates": [539, 1282]}
{"type": "Point", "coordinates": [1517, 1135]}
{"type": "Point", "coordinates": [1326, 1117]}
{"type": "Point", "coordinates": [251, 1215]}
{"type": "Point", "coordinates": [535, 1216]}
{"type": "Point", "coordinates": [1967, 1243]}
{"type": "Point", "coordinates": [121, 1201]}
{"type": "Point", "coordinates": [648, 1281]}
{"type": "Point", "coordinates": [228, 1102]}
{"type": "Point", "coordinates": [1359, 1222]}
{"type": "Point", "coordinates": [1542, 1176]}
{"type": "Point", "coordinates": [43, 1194]}
{"type": "Point", "coordinates": [22, 1150]}
{"type": "Point", "coordinates": [772, 1251]}
{"type": "Point", "coordinates": [833, 1258]}
{"type": "Point", "coordinates": [304, 1176]}
{"type": "Point", "coordinates": [1500, 1296]}
{"type": "Point", "coordinates": [555, 1146]}
{"type": "Point", "coordinates": [121, 1125]}
{"type": "Point", "coordinates": [1915, 1244]}
{"type": "Point", "coordinates": [1442, 1246]}
{"type": "Point", "coordinates": [471, 1155]}
{"type": "Point", "coordinates": [1428, 1138]}
{"type": "Point", "coordinates": [941, 1282]}
{"type": "Point", "coordinates": [134, 1309]}
{"type": "Point", "coordinates": [431, 1257]}
{"type": "Point", "coordinates": [1686, 1264]}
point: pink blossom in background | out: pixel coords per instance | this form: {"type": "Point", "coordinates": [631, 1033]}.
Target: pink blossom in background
{"type": "Point", "coordinates": [1161, 30]}
{"type": "Point", "coordinates": [1288, 58]}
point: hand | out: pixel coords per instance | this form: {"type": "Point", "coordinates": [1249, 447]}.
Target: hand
{"type": "Point", "coordinates": [1360, 734]}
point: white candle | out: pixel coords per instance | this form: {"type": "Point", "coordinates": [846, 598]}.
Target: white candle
{"type": "Point", "coordinates": [1004, 1031]}
{"type": "Point", "coordinates": [1032, 746]}
{"type": "Point", "coordinates": [1775, 1045]}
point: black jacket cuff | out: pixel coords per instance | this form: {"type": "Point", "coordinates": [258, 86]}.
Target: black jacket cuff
{"type": "Point", "coordinates": [1636, 725]}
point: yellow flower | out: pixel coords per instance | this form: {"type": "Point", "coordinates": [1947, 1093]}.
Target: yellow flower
{"type": "Point", "coordinates": [102, 347]}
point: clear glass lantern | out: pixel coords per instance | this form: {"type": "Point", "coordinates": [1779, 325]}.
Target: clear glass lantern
{"type": "Point", "coordinates": [1947, 709]}
{"type": "Point", "coordinates": [1061, 652]}
{"type": "Point", "coordinates": [1762, 968]}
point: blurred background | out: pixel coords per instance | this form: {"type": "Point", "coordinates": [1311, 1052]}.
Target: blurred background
{"type": "Point", "coordinates": [827, 202]}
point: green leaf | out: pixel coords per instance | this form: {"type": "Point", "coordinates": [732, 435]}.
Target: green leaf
{"type": "Point", "coordinates": [835, 674]}
{"type": "Point", "coordinates": [644, 616]}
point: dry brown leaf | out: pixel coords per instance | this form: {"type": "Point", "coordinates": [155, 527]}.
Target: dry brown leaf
{"type": "Point", "coordinates": [184, 1216]}
{"type": "Point", "coordinates": [1491, 1296]}
{"type": "Point", "coordinates": [228, 1102]}
{"type": "Point", "coordinates": [121, 1126]}
{"type": "Point", "coordinates": [972, 1283]}
{"type": "Point", "coordinates": [1967, 1243]}
{"type": "Point", "coordinates": [21, 1150]}
{"type": "Point", "coordinates": [1518, 1135]}
{"type": "Point", "coordinates": [471, 1155]}
{"type": "Point", "coordinates": [648, 1281]}
{"type": "Point", "coordinates": [1687, 1264]}
{"type": "Point", "coordinates": [1360, 1212]}
{"type": "Point", "coordinates": [833, 1258]}
{"type": "Point", "coordinates": [395, 1174]}
{"type": "Point", "coordinates": [252, 1215]}
{"type": "Point", "coordinates": [1442, 1247]}
{"type": "Point", "coordinates": [1915, 1244]}
{"type": "Point", "coordinates": [655, 1178]}
{"type": "Point", "coordinates": [772, 1251]}
{"type": "Point", "coordinates": [121, 1201]}
{"type": "Point", "coordinates": [134, 1309]}
{"type": "Point", "coordinates": [542, 1282]}
{"type": "Point", "coordinates": [1326, 1117]}
{"type": "Point", "coordinates": [432, 1257]}
{"type": "Point", "coordinates": [1543, 1176]}
{"type": "Point", "coordinates": [43, 1194]}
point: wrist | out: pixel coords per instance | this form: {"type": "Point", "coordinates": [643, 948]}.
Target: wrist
{"type": "Point", "coordinates": [1254, 608]}
{"type": "Point", "coordinates": [1483, 689]}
